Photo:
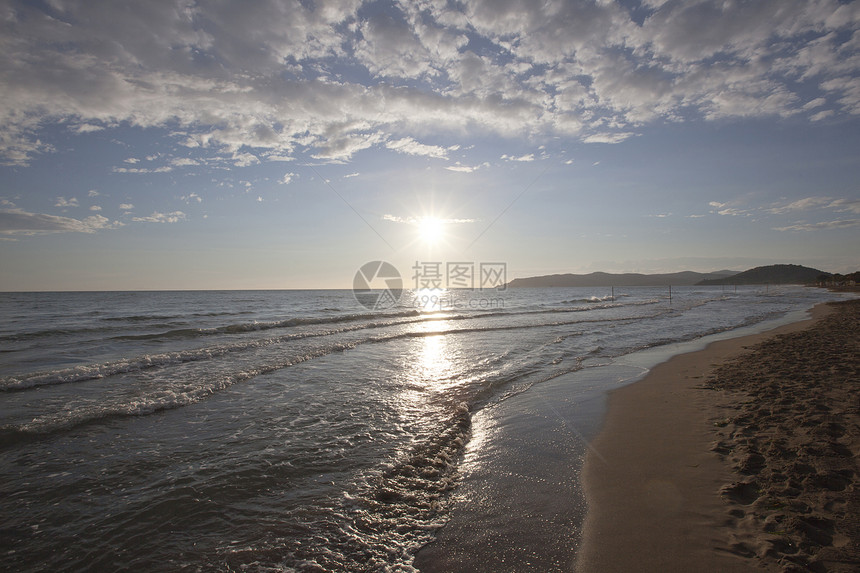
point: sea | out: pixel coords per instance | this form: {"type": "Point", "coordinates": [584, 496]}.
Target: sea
{"type": "Point", "coordinates": [307, 430]}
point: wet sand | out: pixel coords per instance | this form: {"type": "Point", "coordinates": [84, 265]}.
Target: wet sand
{"type": "Point", "coordinates": [740, 457]}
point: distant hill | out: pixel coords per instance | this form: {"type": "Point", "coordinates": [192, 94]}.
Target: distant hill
{"type": "Point", "coordinates": [599, 279]}
{"type": "Point", "coordinates": [771, 274]}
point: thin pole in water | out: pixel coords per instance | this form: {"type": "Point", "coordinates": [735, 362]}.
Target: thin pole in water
{"type": "Point", "coordinates": [670, 294]}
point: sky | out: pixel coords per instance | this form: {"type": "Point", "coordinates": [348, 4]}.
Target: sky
{"type": "Point", "coordinates": [178, 144]}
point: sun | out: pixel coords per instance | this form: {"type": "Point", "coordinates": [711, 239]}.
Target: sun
{"type": "Point", "coordinates": [431, 229]}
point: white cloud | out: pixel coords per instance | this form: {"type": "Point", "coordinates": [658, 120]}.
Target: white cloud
{"type": "Point", "coordinates": [525, 158]}
{"type": "Point", "coordinates": [802, 205]}
{"type": "Point", "coordinates": [162, 169]}
{"type": "Point", "coordinates": [95, 208]}
{"type": "Point", "coordinates": [411, 147]}
{"type": "Point", "coordinates": [183, 162]}
{"type": "Point", "coordinates": [822, 115]}
{"type": "Point", "coordinates": [126, 206]}
{"type": "Point", "coordinates": [245, 159]}
{"type": "Point", "coordinates": [93, 193]}
{"type": "Point", "coordinates": [459, 168]}
{"type": "Point", "coordinates": [817, 102]}
{"type": "Point", "coordinates": [606, 137]}
{"type": "Point", "coordinates": [287, 178]}
{"type": "Point", "coordinates": [279, 157]}
{"type": "Point", "coordinates": [351, 175]}
{"type": "Point", "coordinates": [816, 202]}
{"type": "Point", "coordinates": [389, 47]}
{"type": "Point", "coordinates": [261, 80]}
{"type": "Point", "coordinates": [63, 202]}
{"type": "Point", "coordinates": [417, 220]}
{"type": "Point", "coordinates": [725, 209]}
{"type": "Point", "coordinates": [824, 225]}
{"type": "Point", "coordinates": [156, 217]}
{"type": "Point", "coordinates": [19, 222]}
{"type": "Point", "coordinates": [87, 128]}
{"type": "Point", "coordinates": [846, 205]}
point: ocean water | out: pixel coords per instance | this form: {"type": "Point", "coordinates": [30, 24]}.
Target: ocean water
{"type": "Point", "coordinates": [290, 430]}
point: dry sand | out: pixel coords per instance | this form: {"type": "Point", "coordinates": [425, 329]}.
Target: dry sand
{"type": "Point", "coordinates": [741, 457]}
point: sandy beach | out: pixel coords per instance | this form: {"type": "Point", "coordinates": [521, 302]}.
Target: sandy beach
{"type": "Point", "coordinates": [740, 457]}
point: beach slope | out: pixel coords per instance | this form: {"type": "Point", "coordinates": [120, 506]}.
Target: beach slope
{"type": "Point", "coordinates": [740, 457]}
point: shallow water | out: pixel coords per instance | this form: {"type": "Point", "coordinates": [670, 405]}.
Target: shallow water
{"type": "Point", "coordinates": [297, 430]}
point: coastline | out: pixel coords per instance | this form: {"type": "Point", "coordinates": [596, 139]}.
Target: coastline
{"type": "Point", "coordinates": [654, 476]}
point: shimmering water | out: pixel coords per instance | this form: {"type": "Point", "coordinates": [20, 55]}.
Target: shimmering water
{"type": "Point", "coordinates": [287, 430]}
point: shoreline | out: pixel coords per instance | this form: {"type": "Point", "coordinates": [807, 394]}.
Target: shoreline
{"type": "Point", "coordinates": [520, 504]}
{"type": "Point", "coordinates": [654, 476]}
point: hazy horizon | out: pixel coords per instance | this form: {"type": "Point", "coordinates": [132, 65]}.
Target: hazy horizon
{"type": "Point", "coordinates": [180, 145]}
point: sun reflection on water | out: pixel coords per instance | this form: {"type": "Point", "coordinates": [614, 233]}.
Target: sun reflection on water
{"type": "Point", "coordinates": [434, 360]}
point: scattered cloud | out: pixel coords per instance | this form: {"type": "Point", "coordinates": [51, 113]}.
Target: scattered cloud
{"type": "Point", "coordinates": [287, 178]}
{"type": "Point", "coordinates": [95, 208]}
{"type": "Point", "coordinates": [824, 225]}
{"type": "Point", "coordinates": [846, 205]}
{"type": "Point", "coordinates": [126, 206]}
{"type": "Point", "coordinates": [162, 169]}
{"type": "Point", "coordinates": [802, 205]}
{"type": "Point", "coordinates": [460, 168]}
{"type": "Point", "coordinates": [351, 175]}
{"type": "Point", "coordinates": [279, 157]}
{"type": "Point", "coordinates": [411, 147]}
{"type": "Point", "coordinates": [417, 220]}
{"type": "Point", "coordinates": [607, 137]}
{"type": "Point", "coordinates": [63, 202]}
{"type": "Point", "coordinates": [156, 217]}
{"type": "Point", "coordinates": [93, 193]}
{"type": "Point", "coordinates": [724, 209]}
{"type": "Point", "coordinates": [812, 203]}
{"type": "Point", "coordinates": [245, 159]}
{"type": "Point", "coordinates": [183, 162]}
{"type": "Point", "coordinates": [527, 157]}
{"type": "Point", "coordinates": [331, 77]}
{"type": "Point", "coordinates": [822, 115]}
{"type": "Point", "coordinates": [19, 222]}
{"type": "Point", "coordinates": [87, 128]}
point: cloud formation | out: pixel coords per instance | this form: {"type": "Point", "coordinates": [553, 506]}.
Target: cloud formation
{"type": "Point", "coordinates": [268, 79]}
{"type": "Point", "coordinates": [156, 217]}
{"type": "Point", "coordinates": [841, 224]}
{"type": "Point", "coordinates": [19, 222]}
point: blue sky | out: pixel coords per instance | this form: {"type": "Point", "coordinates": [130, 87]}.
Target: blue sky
{"type": "Point", "coordinates": [178, 144]}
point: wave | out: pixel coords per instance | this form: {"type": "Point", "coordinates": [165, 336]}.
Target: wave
{"type": "Point", "coordinates": [178, 391]}
{"type": "Point", "coordinates": [256, 326]}
{"type": "Point", "coordinates": [607, 298]}
{"type": "Point", "coordinates": [174, 395]}
{"type": "Point", "coordinates": [88, 372]}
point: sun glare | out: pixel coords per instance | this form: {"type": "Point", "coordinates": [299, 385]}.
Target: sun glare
{"type": "Point", "coordinates": [431, 229]}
